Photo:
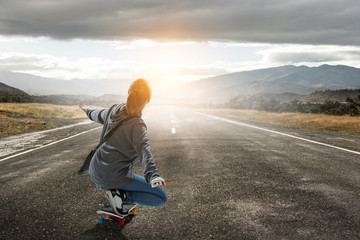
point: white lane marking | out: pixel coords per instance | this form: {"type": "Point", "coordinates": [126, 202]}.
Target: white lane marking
{"type": "Point", "coordinates": [173, 130]}
{"type": "Point", "coordinates": [52, 143]}
{"type": "Point", "coordinates": [13, 144]}
{"type": "Point", "coordinates": [280, 133]}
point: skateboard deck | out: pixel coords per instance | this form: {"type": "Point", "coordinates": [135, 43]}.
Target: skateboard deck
{"type": "Point", "coordinates": [107, 213]}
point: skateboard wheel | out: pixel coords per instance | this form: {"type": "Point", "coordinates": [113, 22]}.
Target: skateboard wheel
{"type": "Point", "coordinates": [133, 211]}
{"type": "Point", "coordinates": [101, 220]}
{"type": "Point", "coordinates": [122, 221]}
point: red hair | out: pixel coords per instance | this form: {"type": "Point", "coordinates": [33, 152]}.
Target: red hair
{"type": "Point", "coordinates": [139, 93]}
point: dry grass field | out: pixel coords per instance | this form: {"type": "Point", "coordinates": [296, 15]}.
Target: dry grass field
{"type": "Point", "coordinates": [319, 122]}
{"type": "Point", "coordinates": [29, 117]}
{"type": "Point", "coordinates": [40, 110]}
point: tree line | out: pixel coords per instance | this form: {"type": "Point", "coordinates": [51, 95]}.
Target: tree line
{"type": "Point", "coordinates": [350, 107]}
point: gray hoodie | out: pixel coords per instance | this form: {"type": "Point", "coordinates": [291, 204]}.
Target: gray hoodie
{"type": "Point", "coordinates": [111, 165]}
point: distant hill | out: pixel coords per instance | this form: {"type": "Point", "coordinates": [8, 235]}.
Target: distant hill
{"type": "Point", "coordinates": [299, 80]}
{"type": "Point", "coordinates": [331, 95]}
{"type": "Point", "coordinates": [11, 94]}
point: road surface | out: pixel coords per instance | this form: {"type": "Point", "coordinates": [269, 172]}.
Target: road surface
{"type": "Point", "coordinates": [230, 181]}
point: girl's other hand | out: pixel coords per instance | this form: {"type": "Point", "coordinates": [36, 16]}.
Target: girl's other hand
{"type": "Point", "coordinates": [161, 183]}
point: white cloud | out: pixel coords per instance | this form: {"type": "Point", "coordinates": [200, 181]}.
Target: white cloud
{"type": "Point", "coordinates": [309, 54]}
{"type": "Point", "coordinates": [63, 68]}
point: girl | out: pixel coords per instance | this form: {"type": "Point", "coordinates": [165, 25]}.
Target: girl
{"type": "Point", "coordinates": [111, 165]}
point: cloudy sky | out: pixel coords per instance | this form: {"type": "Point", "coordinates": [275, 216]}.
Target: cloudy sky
{"type": "Point", "coordinates": [174, 41]}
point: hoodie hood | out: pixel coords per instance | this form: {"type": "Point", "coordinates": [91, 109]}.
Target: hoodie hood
{"type": "Point", "coordinates": [119, 113]}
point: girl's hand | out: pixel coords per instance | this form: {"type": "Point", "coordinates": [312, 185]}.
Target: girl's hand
{"type": "Point", "coordinates": [161, 183]}
{"type": "Point", "coordinates": [83, 107]}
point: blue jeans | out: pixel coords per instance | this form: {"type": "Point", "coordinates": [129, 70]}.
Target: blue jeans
{"type": "Point", "coordinates": [140, 192]}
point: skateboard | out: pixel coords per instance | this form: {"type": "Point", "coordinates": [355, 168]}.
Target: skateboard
{"type": "Point", "coordinates": [107, 213]}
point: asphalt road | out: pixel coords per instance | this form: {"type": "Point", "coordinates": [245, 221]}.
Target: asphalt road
{"type": "Point", "coordinates": [230, 181]}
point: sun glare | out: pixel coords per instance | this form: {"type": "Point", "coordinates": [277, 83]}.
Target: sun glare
{"type": "Point", "coordinates": [163, 78]}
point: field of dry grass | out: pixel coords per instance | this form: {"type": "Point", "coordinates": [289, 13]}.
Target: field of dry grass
{"type": "Point", "coordinates": [319, 122]}
{"type": "Point", "coordinates": [29, 117]}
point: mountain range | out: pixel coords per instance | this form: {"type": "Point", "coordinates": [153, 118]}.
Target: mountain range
{"type": "Point", "coordinates": [284, 79]}
{"type": "Point", "coordinates": [278, 80]}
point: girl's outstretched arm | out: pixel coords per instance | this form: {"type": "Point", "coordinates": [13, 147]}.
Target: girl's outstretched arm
{"type": "Point", "coordinates": [96, 115]}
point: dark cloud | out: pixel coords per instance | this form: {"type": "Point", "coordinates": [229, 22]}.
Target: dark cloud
{"type": "Point", "coordinates": [270, 21]}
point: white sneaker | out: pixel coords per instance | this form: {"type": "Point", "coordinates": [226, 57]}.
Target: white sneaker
{"type": "Point", "coordinates": [116, 198]}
